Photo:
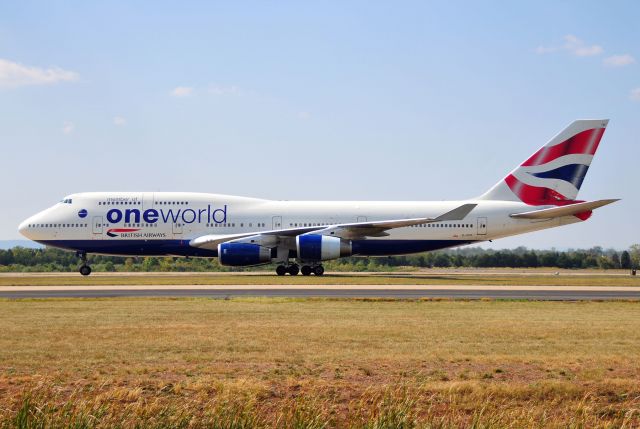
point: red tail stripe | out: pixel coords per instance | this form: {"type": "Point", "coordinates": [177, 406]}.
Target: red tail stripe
{"type": "Point", "coordinates": [534, 195]}
{"type": "Point", "coordinates": [538, 196]}
{"type": "Point", "coordinates": [583, 143]}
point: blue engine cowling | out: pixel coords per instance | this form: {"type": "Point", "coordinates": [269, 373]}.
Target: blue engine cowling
{"type": "Point", "coordinates": [243, 254]}
{"type": "Point", "coordinates": [316, 247]}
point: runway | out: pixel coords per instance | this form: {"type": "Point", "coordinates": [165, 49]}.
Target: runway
{"type": "Point", "coordinates": [544, 293]}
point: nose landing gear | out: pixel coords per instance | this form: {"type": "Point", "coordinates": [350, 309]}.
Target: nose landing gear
{"type": "Point", "coordinates": [85, 269]}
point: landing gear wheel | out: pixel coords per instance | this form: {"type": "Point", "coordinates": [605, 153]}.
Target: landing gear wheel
{"type": "Point", "coordinates": [281, 270]}
{"type": "Point", "coordinates": [318, 270]}
{"type": "Point", "coordinates": [305, 270]}
{"type": "Point", "coordinates": [85, 269]}
{"type": "Point", "coordinates": [294, 270]}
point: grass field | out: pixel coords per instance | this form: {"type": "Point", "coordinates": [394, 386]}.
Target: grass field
{"type": "Point", "coordinates": [318, 363]}
{"type": "Point", "coordinates": [439, 278]}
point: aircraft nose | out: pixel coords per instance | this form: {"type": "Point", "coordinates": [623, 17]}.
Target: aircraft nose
{"type": "Point", "coordinates": [22, 228]}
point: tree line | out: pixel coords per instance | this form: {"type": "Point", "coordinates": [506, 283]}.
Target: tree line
{"type": "Point", "coordinates": [20, 259]}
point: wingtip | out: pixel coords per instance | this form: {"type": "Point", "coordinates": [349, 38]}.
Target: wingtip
{"type": "Point", "coordinates": [458, 213]}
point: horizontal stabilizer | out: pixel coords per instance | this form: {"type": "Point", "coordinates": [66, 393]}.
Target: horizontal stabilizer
{"type": "Point", "coordinates": [568, 210]}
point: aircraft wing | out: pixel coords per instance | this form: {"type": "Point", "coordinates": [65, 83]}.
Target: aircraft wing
{"type": "Point", "coordinates": [378, 228]}
{"type": "Point", "coordinates": [567, 210]}
{"type": "Point", "coordinates": [345, 230]}
{"type": "Point", "coordinates": [211, 241]}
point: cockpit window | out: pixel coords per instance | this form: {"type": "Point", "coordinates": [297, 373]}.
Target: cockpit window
{"type": "Point", "coordinates": [67, 201]}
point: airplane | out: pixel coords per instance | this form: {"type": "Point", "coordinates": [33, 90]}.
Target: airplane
{"type": "Point", "coordinates": [299, 236]}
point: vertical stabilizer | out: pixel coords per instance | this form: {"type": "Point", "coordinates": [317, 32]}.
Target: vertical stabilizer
{"type": "Point", "coordinates": [554, 174]}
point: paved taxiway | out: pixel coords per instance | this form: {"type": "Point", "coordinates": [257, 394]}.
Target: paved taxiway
{"type": "Point", "coordinates": [551, 293]}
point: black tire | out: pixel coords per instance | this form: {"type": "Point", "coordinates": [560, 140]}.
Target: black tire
{"type": "Point", "coordinates": [305, 270]}
{"type": "Point", "coordinates": [318, 270]}
{"type": "Point", "coordinates": [281, 270]}
{"type": "Point", "coordinates": [294, 270]}
{"type": "Point", "coordinates": [85, 270]}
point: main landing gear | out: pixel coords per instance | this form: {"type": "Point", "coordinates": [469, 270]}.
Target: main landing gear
{"type": "Point", "coordinates": [294, 269]}
{"type": "Point", "coordinates": [306, 270]}
{"type": "Point", "coordinates": [85, 269]}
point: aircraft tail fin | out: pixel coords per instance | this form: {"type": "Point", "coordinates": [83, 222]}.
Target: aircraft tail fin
{"type": "Point", "coordinates": [553, 175]}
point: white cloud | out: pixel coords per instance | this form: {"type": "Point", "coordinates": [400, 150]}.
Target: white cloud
{"type": "Point", "coordinates": [13, 75]}
{"type": "Point", "coordinates": [619, 60]}
{"type": "Point", "coordinates": [545, 49]}
{"type": "Point", "coordinates": [182, 91]}
{"type": "Point", "coordinates": [635, 94]}
{"type": "Point", "coordinates": [68, 127]}
{"type": "Point", "coordinates": [224, 90]}
{"type": "Point", "coordinates": [119, 121]}
{"type": "Point", "coordinates": [578, 48]}
{"type": "Point", "coordinates": [574, 46]}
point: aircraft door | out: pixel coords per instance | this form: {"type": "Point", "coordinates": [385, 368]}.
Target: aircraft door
{"type": "Point", "coordinates": [277, 222]}
{"type": "Point", "coordinates": [177, 227]}
{"type": "Point", "coordinates": [482, 226]}
{"type": "Point", "coordinates": [97, 225]}
{"type": "Point", "coordinates": [147, 201]}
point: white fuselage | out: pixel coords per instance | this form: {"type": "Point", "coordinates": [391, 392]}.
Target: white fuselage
{"type": "Point", "coordinates": [164, 223]}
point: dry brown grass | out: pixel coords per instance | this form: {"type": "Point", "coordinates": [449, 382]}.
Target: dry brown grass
{"type": "Point", "coordinates": [319, 363]}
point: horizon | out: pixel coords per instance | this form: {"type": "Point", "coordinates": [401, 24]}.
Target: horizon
{"type": "Point", "coordinates": [10, 244]}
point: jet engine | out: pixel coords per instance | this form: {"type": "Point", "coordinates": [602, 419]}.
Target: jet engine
{"type": "Point", "coordinates": [316, 247]}
{"type": "Point", "coordinates": [243, 254]}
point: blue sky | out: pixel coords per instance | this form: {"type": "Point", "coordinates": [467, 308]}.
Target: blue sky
{"type": "Point", "coordinates": [324, 100]}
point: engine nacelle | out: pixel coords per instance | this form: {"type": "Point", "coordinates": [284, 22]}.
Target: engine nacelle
{"type": "Point", "coordinates": [316, 247]}
{"type": "Point", "coordinates": [243, 254]}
